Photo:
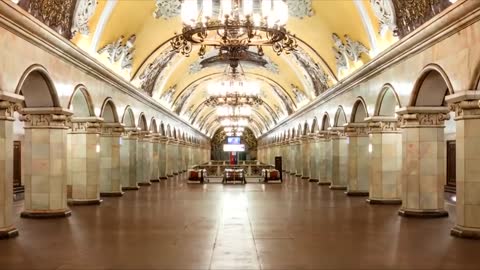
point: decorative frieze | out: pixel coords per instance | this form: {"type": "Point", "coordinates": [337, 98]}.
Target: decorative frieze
{"type": "Point", "coordinates": [382, 124]}
{"type": "Point", "coordinates": [85, 125]}
{"type": "Point", "coordinates": [465, 104]}
{"type": "Point", "coordinates": [52, 118]}
{"type": "Point", "coordinates": [112, 129]}
{"type": "Point", "coordinates": [83, 13]}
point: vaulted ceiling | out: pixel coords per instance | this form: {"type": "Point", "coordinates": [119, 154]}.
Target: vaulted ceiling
{"type": "Point", "coordinates": [335, 37]}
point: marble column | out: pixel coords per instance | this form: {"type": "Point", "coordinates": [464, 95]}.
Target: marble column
{"type": "Point", "coordinates": [285, 156]}
{"type": "Point", "coordinates": [144, 156]}
{"type": "Point", "coordinates": [467, 119]}
{"type": "Point", "coordinates": [339, 159]}
{"type": "Point", "coordinates": [424, 159]}
{"type": "Point", "coordinates": [325, 158]}
{"type": "Point", "coordinates": [298, 158]}
{"type": "Point", "coordinates": [110, 179]}
{"type": "Point", "coordinates": [385, 159]}
{"type": "Point", "coordinates": [84, 161]}
{"type": "Point", "coordinates": [314, 158]}
{"type": "Point", "coordinates": [128, 154]}
{"type": "Point", "coordinates": [155, 160]}
{"type": "Point", "coordinates": [358, 165]}
{"type": "Point", "coordinates": [7, 103]}
{"type": "Point", "coordinates": [305, 156]}
{"type": "Point", "coordinates": [45, 162]}
{"type": "Point", "coordinates": [291, 157]}
{"type": "Point", "coordinates": [162, 158]}
{"type": "Point", "coordinates": [170, 158]}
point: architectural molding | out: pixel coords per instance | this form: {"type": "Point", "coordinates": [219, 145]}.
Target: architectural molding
{"type": "Point", "coordinates": [121, 50]}
{"type": "Point", "coordinates": [300, 8]}
{"type": "Point", "coordinates": [385, 12]}
{"type": "Point", "coordinates": [83, 13]}
{"type": "Point", "coordinates": [167, 9]}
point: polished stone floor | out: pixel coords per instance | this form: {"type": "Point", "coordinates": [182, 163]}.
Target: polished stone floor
{"type": "Point", "coordinates": [295, 225]}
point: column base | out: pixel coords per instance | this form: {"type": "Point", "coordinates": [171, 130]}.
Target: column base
{"type": "Point", "coordinates": [7, 233]}
{"type": "Point", "coordinates": [305, 177]}
{"type": "Point", "coordinates": [84, 202]}
{"type": "Point", "coordinates": [292, 174]}
{"type": "Point", "coordinates": [170, 175]}
{"type": "Point", "coordinates": [312, 180]}
{"type": "Point", "coordinates": [357, 193]}
{"type": "Point", "coordinates": [175, 173]}
{"type": "Point", "coordinates": [423, 214]}
{"type": "Point", "coordinates": [46, 213]}
{"type": "Point", "coordinates": [461, 232]}
{"type": "Point", "coordinates": [155, 181]}
{"type": "Point", "coordinates": [163, 178]}
{"type": "Point", "coordinates": [144, 184]}
{"type": "Point", "coordinates": [111, 194]}
{"type": "Point", "coordinates": [386, 201]}
{"type": "Point", "coordinates": [298, 175]}
{"type": "Point", "coordinates": [130, 188]}
{"type": "Point", "coordinates": [324, 183]}
{"type": "Point", "coordinates": [337, 187]}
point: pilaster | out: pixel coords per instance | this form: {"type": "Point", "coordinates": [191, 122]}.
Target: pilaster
{"type": "Point", "coordinates": [325, 158]}
{"type": "Point", "coordinates": [128, 150]}
{"type": "Point", "coordinates": [110, 179]}
{"type": "Point", "coordinates": [339, 158]}
{"type": "Point", "coordinates": [305, 156]}
{"type": "Point", "coordinates": [358, 165]}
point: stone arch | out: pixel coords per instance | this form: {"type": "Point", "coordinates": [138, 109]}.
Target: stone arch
{"type": "Point", "coordinates": [431, 88]}
{"type": "Point", "coordinates": [292, 133]}
{"type": "Point", "coordinates": [38, 89]}
{"type": "Point", "coordinates": [128, 118]}
{"type": "Point", "coordinates": [174, 134]}
{"type": "Point", "coordinates": [162, 129]}
{"type": "Point", "coordinates": [299, 130]}
{"type": "Point", "coordinates": [340, 117]}
{"type": "Point", "coordinates": [169, 131]}
{"type": "Point", "coordinates": [109, 111]}
{"type": "Point", "coordinates": [359, 111]}
{"type": "Point", "coordinates": [142, 122]}
{"type": "Point", "coordinates": [325, 122]}
{"type": "Point", "coordinates": [315, 126]}
{"type": "Point", "coordinates": [153, 125]}
{"type": "Point", "coordinates": [306, 128]}
{"type": "Point", "coordinates": [387, 101]}
{"type": "Point", "coordinates": [80, 102]}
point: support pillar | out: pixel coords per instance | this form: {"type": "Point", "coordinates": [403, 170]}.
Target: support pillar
{"type": "Point", "coordinates": [467, 118]}
{"type": "Point", "coordinates": [45, 162]}
{"type": "Point", "coordinates": [110, 182]}
{"type": "Point", "coordinates": [305, 156]}
{"type": "Point", "coordinates": [7, 104]}
{"type": "Point", "coordinates": [385, 159]}
{"type": "Point", "coordinates": [358, 165]}
{"type": "Point", "coordinates": [162, 158]}
{"type": "Point", "coordinates": [325, 158]}
{"type": "Point", "coordinates": [314, 158]}
{"type": "Point", "coordinates": [169, 158]}
{"type": "Point", "coordinates": [424, 159]}
{"type": "Point", "coordinates": [128, 150]}
{"type": "Point", "coordinates": [84, 162]}
{"type": "Point", "coordinates": [144, 153]}
{"type": "Point", "coordinates": [154, 165]}
{"type": "Point", "coordinates": [339, 159]}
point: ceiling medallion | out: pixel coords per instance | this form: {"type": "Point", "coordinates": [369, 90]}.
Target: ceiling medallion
{"type": "Point", "coordinates": [233, 26]}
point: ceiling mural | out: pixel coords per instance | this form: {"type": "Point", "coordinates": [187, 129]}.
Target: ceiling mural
{"type": "Point", "coordinates": [325, 47]}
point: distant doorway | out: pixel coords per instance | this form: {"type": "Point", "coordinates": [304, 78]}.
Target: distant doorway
{"type": "Point", "coordinates": [451, 185]}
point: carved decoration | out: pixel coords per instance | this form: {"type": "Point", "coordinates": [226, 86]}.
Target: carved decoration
{"type": "Point", "coordinates": [167, 9]}
{"type": "Point", "coordinates": [83, 13]}
{"type": "Point", "coordinates": [46, 120]}
{"type": "Point", "coordinates": [56, 14]}
{"type": "Point", "coordinates": [300, 8]}
{"type": "Point", "coordinates": [85, 127]}
{"type": "Point", "coordinates": [167, 96]}
{"type": "Point", "coordinates": [351, 50]}
{"type": "Point", "coordinates": [150, 75]}
{"type": "Point", "coordinates": [314, 73]}
{"type": "Point", "coordinates": [287, 101]}
{"type": "Point", "coordinates": [119, 51]}
{"type": "Point", "coordinates": [354, 49]}
{"type": "Point", "coordinates": [180, 101]}
{"type": "Point", "coordinates": [7, 109]}
{"type": "Point", "coordinates": [423, 119]}
{"type": "Point", "coordinates": [385, 12]}
{"type": "Point", "coordinates": [466, 109]}
{"type": "Point", "coordinates": [299, 95]}
{"type": "Point", "coordinates": [411, 14]}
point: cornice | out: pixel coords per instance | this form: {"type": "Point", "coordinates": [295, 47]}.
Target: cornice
{"type": "Point", "coordinates": [22, 24]}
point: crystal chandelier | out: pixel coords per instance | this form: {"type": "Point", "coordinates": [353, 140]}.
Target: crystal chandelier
{"type": "Point", "coordinates": [234, 131]}
{"type": "Point", "coordinates": [234, 111]}
{"type": "Point", "coordinates": [234, 26]}
{"type": "Point", "coordinates": [233, 90]}
{"type": "Point", "coordinates": [234, 121]}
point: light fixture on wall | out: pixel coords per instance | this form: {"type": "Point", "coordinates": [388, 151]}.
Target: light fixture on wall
{"type": "Point", "coordinates": [234, 26]}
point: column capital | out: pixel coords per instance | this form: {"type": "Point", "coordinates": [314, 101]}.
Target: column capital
{"type": "Point", "coordinates": [415, 117]}
{"type": "Point", "coordinates": [383, 124]}
{"type": "Point", "coordinates": [112, 129]}
{"type": "Point", "coordinates": [336, 132]}
{"type": "Point", "coordinates": [356, 129]}
{"type": "Point", "coordinates": [82, 125]}
{"type": "Point", "coordinates": [49, 117]}
{"type": "Point", "coordinates": [9, 102]}
{"type": "Point", "coordinates": [466, 104]}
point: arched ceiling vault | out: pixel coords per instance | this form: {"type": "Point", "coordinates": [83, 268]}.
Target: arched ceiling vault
{"type": "Point", "coordinates": [335, 37]}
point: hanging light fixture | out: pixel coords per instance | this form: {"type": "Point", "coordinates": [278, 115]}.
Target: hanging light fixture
{"type": "Point", "coordinates": [234, 26]}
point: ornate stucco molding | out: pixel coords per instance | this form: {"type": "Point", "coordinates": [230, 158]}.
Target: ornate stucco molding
{"type": "Point", "coordinates": [151, 73]}
{"type": "Point", "coordinates": [319, 79]}
{"type": "Point", "coordinates": [385, 12]}
{"type": "Point", "coordinates": [167, 9]}
{"type": "Point", "coordinates": [83, 13]}
{"type": "Point", "coordinates": [121, 51]}
{"type": "Point", "coordinates": [414, 117]}
{"type": "Point", "coordinates": [300, 8]}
